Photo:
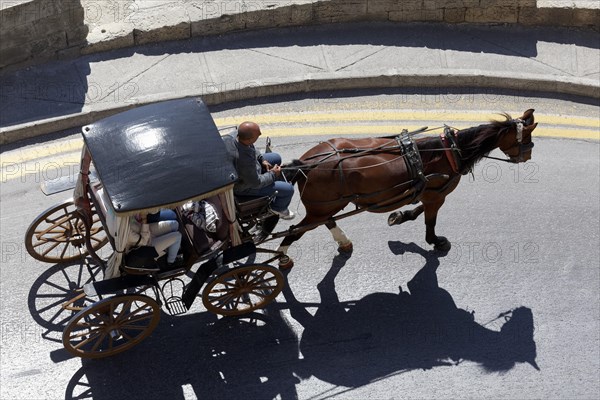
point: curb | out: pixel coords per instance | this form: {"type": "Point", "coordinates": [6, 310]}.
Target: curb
{"type": "Point", "coordinates": [257, 89]}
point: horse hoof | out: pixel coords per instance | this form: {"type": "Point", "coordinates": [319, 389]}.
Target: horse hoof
{"type": "Point", "coordinates": [396, 218]}
{"type": "Point", "coordinates": [442, 245]}
{"type": "Point", "coordinates": [346, 248]}
{"type": "Point", "coordinates": [285, 263]}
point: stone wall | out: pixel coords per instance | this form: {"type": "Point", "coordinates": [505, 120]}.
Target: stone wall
{"type": "Point", "coordinates": [40, 30]}
{"type": "Point", "coordinates": [181, 19]}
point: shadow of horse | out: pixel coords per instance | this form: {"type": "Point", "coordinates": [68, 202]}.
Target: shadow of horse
{"type": "Point", "coordinates": [354, 343]}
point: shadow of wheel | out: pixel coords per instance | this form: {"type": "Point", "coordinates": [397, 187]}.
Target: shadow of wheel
{"type": "Point", "coordinates": [56, 296]}
{"type": "Point", "coordinates": [111, 326]}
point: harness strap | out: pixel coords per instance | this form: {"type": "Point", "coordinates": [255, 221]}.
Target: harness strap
{"type": "Point", "coordinates": [450, 149]}
{"type": "Point", "coordinates": [413, 160]}
{"type": "Point", "coordinates": [339, 163]}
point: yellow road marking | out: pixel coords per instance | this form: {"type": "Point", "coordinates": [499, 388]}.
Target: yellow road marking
{"type": "Point", "coordinates": [395, 129]}
{"type": "Point", "coordinates": [41, 151]}
{"type": "Point", "coordinates": [448, 117]}
{"type": "Point", "coordinates": [41, 169]}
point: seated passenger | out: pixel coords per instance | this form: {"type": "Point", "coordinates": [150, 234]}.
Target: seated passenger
{"type": "Point", "coordinates": [258, 173]}
{"type": "Point", "coordinates": [164, 214]}
{"type": "Point", "coordinates": [164, 236]}
{"type": "Point", "coordinates": [202, 214]}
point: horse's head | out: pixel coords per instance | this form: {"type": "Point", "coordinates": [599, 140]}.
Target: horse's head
{"type": "Point", "coordinates": [517, 143]}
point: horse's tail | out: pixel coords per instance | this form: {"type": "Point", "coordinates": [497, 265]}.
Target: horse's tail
{"type": "Point", "coordinates": [295, 170]}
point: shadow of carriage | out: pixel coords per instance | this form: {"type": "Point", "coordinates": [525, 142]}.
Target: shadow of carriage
{"type": "Point", "coordinates": [349, 344]}
{"type": "Point", "coordinates": [199, 356]}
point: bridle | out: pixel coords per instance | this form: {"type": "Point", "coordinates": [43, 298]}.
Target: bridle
{"type": "Point", "coordinates": [523, 147]}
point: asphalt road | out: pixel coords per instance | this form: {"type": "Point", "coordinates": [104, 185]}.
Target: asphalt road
{"type": "Point", "coordinates": [525, 243]}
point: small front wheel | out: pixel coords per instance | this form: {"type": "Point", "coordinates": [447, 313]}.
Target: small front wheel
{"type": "Point", "coordinates": [243, 289]}
{"type": "Point", "coordinates": [111, 326]}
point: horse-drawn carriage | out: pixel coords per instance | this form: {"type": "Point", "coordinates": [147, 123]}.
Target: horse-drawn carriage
{"type": "Point", "coordinates": [170, 155]}
{"type": "Point", "coordinates": [161, 156]}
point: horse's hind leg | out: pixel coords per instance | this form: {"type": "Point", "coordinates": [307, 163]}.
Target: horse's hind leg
{"type": "Point", "coordinates": [399, 217]}
{"type": "Point", "coordinates": [431, 209]}
{"type": "Point", "coordinates": [285, 262]}
{"type": "Point", "coordinates": [344, 244]}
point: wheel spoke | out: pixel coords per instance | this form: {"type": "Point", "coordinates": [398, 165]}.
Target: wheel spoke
{"type": "Point", "coordinates": [256, 278]}
{"type": "Point", "coordinates": [64, 251]}
{"type": "Point", "coordinates": [266, 287]}
{"type": "Point", "coordinates": [227, 294]}
{"type": "Point", "coordinates": [133, 327]}
{"type": "Point", "coordinates": [246, 299]}
{"type": "Point", "coordinates": [126, 306]}
{"type": "Point", "coordinates": [51, 248]}
{"type": "Point", "coordinates": [86, 341]}
{"type": "Point", "coordinates": [51, 306]}
{"type": "Point", "coordinates": [222, 300]}
{"type": "Point", "coordinates": [129, 316]}
{"type": "Point", "coordinates": [236, 302]}
{"type": "Point", "coordinates": [265, 282]}
{"type": "Point", "coordinates": [139, 318]}
{"type": "Point", "coordinates": [99, 341]}
{"type": "Point", "coordinates": [223, 290]}
{"type": "Point", "coordinates": [55, 224]}
{"type": "Point", "coordinates": [259, 294]}
{"type": "Point", "coordinates": [57, 235]}
{"type": "Point", "coordinates": [86, 333]}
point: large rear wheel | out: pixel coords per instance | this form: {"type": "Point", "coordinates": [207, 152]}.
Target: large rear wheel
{"type": "Point", "coordinates": [241, 290]}
{"type": "Point", "coordinates": [57, 234]}
{"type": "Point", "coordinates": [111, 326]}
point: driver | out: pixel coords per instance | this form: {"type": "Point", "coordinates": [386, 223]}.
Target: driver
{"type": "Point", "coordinates": [258, 173]}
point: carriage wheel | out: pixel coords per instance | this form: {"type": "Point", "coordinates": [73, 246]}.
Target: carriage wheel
{"type": "Point", "coordinates": [55, 235]}
{"type": "Point", "coordinates": [111, 326]}
{"type": "Point", "coordinates": [242, 289]}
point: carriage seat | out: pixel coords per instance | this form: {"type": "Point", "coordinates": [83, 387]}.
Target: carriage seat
{"type": "Point", "coordinates": [251, 206]}
{"type": "Point", "coordinates": [202, 241]}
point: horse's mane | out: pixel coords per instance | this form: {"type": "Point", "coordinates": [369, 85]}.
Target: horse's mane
{"type": "Point", "coordinates": [477, 142]}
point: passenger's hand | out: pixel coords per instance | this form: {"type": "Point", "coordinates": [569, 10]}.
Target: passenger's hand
{"type": "Point", "coordinates": [276, 169]}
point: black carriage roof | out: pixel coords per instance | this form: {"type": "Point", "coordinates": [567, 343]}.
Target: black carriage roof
{"type": "Point", "coordinates": [159, 155]}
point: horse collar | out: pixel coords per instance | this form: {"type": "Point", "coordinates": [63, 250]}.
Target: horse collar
{"type": "Point", "coordinates": [411, 155]}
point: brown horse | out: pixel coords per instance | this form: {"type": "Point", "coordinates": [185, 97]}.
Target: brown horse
{"type": "Point", "coordinates": [381, 175]}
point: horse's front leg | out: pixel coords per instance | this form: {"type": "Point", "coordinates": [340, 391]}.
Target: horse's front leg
{"type": "Point", "coordinates": [400, 217]}
{"type": "Point", "coordinates": [431, 209]}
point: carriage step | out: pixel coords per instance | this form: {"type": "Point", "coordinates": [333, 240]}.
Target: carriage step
{"type": "Point", "coordinates": [175, 306]}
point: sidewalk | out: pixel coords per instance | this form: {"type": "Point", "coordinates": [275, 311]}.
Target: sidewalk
{"type": "Point", "coordinates": [60, 95]}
